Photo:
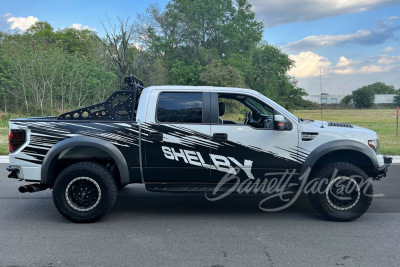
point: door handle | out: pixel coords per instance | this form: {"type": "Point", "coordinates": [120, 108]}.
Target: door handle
{"type": "Point", "coordinates": [220, 137]}
{"type": "Point", "coordinates": [156, 137]}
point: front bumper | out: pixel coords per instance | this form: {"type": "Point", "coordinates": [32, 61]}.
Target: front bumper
{"type": "Point", "coordinates": [381, 171]}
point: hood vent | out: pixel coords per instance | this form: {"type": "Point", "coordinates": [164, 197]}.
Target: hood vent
{"type": "Point", "coordinates": [339, 124]}
{"type": "Point", "coordinates": [306, 121]}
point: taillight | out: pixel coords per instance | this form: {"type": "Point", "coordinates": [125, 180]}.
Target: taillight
{"type": "Point", "coordinates": [16, 138]}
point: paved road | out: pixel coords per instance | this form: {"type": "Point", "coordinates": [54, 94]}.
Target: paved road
{"type": "Point", "coordinates": [157, 229]}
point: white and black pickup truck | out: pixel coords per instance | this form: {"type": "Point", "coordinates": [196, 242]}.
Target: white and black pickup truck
{"type": "Point", "coordinates": [190, 139]}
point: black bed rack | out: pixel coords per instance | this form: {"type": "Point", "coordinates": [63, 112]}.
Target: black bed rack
{"type": "Point", "coordinates": [133, 83]}
{"type": "Point", "coordinates": [119, 106]}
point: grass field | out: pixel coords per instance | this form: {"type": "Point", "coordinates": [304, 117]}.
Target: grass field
{"type": "Point", "coordinates": [382, 121]}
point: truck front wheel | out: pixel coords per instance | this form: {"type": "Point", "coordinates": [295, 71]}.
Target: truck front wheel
{"type": "Point", "coordinates": [84, 192]}
{"type": "Point", "coordinates": [342, 191]}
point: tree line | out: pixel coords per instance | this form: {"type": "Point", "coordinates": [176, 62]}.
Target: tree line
{"type": "Point", "coordinates": [44, 72]}
{"type": "Point", "coordinates": [364, 96]}
{"type": "Point", "coordinates": [200, 42]}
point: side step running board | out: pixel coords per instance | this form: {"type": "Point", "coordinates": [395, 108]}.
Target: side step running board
{"type": "Point", "coordinates": [174, 188]}
{"type": "Point", "coordinates": [183, 188]}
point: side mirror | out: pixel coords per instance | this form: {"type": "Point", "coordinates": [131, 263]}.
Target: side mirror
{"type": "Point", "coordinates": [280, 123]}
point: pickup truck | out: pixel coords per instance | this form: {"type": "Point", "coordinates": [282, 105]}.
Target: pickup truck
{"type": "Point", "coordinates": [188, 139]}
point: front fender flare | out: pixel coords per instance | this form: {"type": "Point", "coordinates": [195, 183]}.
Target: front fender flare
{"type": "Point", "coordinates": [49, 162]}
{"type": "Point", "coordinates": [332, 146]}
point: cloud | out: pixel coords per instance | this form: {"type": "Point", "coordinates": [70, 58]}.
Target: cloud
{"type": "Point", "coordinates": [387, 50]}
{"type": "Point", "coordinates": [372, 69]}
{"type": "Point", "coordinates": [347, 74]}
{"type": "Point", "coordinates": [78, 26]}
{"type": "Point", "coordinates": [3, 22]}
{"type": "Point", "coordinates": [343, 62]}
{"type": "Point", "coordinates": [383, 31]}
{"type": "Point", "coordinates": [21, 23]}
{"type": "Point", "coordinates": [344, 66]}
{"type": "Point", "coordinates": [386, 60]}
{"type": "Point", "coordinates": [312, 42]}
{"type": "Point", "coordinates": [308, 64]}
{"type": "Point", "coordinates": [274, 12]}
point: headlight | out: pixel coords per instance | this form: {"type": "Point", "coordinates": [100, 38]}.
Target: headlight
{"type": "Point", "coordinates": [374, 144]}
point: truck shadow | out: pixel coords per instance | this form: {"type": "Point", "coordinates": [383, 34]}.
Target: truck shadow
{"type": "Point", "coordinates": [136, 200]}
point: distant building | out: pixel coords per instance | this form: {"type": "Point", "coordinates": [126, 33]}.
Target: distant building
{"type": "Point", "coordinates": [384, 99]}
{"type": "Point", "coordinates": [335, 99]}
{"type": "Point", "coordinates": [326, 99]}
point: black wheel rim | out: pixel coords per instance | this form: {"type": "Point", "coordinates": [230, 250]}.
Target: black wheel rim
{"type": "Point", "coordinates": [83, 194]}
{"type": "Point", "coordinates": [343, 193]}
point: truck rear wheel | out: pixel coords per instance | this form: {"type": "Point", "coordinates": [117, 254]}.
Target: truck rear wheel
{"type": "Point", "coordinates": [84, 192]}
{"type": "Point", "coordinates": [345, 191]}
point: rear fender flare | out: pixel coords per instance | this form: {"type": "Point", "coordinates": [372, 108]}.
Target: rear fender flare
{"type": "Point", "coordinates": [49, 162]}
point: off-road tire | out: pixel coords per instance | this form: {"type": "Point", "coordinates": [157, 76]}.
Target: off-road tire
{"type": "Point", "coordinates": [94, 179]}
{"type": "Point", "coordinates": [349, 173]}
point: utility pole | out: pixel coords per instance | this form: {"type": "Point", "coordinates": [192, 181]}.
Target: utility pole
{"type": "Point", "coordinates": [397, 121]}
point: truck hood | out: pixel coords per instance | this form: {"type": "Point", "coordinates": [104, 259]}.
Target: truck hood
{"type": "Point", "coordinates": [344, 130]}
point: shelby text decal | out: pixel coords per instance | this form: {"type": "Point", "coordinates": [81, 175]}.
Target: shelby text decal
{"type": "Point", "coordinates": [220, 163]}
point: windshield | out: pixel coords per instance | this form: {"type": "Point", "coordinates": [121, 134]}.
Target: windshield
{"type": "Point", "coordinates": [286, 112]}
{"type": "Point", "coordinates": [259, 106]}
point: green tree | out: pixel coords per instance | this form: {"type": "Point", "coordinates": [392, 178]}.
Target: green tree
{"type": "Point", "coordinates": [243, 32]}
{"type": "Point", "coordinates": [117, 45]}
{"type": "Point", "coordinates": [151, 69]}
{"type": "Point", "coordinates": [381, 88]}
{"type": "Point", "coordinates": [268, 75]}
{"type": "Point", "coordinates": [396, 99]}
{"type": "Point", "coordinates": [82, 42]}
{"type": "Point", "coordinates": [32, 68]}
{"type": "Point", "coordinates": [3, 78]}
{"type": "Point", "coordinates": [42, 32]}
{"type": "Point", "coordinates": [183, 74]}
{"type": "Point", "coordinates": [38, 77]}
{"type": "Point", "coordinates": [346, 100]}
{"type": "Point", "coordinates": [190, 42]}
{"type": "Point", "coordinates": [363, 97]}
{"type": "Point", "coordinates": [186, 27]}
{"type": "Point", "coordinates": [217, 74]}
{"type": "Point", "coordinates": [217, 42]}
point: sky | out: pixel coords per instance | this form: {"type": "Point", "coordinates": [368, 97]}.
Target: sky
{"type": "Point", "coordinates": [349, 43]}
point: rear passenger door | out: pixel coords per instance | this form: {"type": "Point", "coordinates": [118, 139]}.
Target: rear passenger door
{"type": "Point", "coordinates": [176, 137]}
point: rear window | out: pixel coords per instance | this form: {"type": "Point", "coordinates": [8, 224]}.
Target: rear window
{"type": "Point", "coordinates": [180, 107]}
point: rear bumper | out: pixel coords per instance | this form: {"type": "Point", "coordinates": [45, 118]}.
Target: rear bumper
{"type": "Point", "coordinates": [27, 173]}
{"type": "Point", "coordinates": [13, 172]}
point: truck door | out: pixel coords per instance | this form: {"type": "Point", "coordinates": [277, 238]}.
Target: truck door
{"type": "Point", "coordinates": [249, 146]}
{"type": "Point", "coordinates": [176, 137]}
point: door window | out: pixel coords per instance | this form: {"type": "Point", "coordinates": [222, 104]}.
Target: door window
{"type": "Point", "coordinates": [180, 107]}
{"type": "Point", "coordinates": [242, 109]}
